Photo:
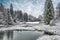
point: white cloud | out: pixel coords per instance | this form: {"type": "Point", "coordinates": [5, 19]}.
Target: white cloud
{"type": "Point", "coordinates": [30, 8]}
{"type": "Point", "coordinates": [27, 6]}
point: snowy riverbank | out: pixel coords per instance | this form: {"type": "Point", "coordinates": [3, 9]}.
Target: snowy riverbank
{"type": "Point", "coordinates": [34, 26]}
{"type": "Point", "coordinates": [47, 37]}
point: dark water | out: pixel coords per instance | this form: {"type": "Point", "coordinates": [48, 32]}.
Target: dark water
{"type": "Point", "coordinates": [24, 35]}
{"type": "Point", "coordinates": [1, 36]}
{"type": "Point", "coordinates": [27, 35]}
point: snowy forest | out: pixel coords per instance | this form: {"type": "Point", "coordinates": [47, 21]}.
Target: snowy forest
{"type": "Point", "coordinates": [11, 16]}
{"type": "Point", "coordinates": [43, 27]}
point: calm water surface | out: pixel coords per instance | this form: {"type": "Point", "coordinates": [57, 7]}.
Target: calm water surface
{"type": "Point", "coordinates": [24, 35]}
{"type": "Point", "coordinates": [27, 35]}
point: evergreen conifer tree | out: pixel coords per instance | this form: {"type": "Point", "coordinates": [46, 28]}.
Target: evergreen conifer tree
{"type": "Point", "coordinates": [25, 17]}
{"type": "Point", "coordinates": [48, 12]}
{"type": "Point", "coordinates": [9, 20]}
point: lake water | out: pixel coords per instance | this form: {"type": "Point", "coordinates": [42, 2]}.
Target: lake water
{"type": "Point", "coordinates": [24, 35]}
{"type": "Point", "coordinates": [27, 35]}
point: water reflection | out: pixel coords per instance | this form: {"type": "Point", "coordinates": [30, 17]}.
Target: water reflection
{"type": "Point", "coordinates": [1, 36]}
{"type": "Point", "coordinates": [24, 35]}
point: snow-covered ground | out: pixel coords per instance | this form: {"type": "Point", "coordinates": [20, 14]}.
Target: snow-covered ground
{"type": "Point", "coordinates": [16, 27]}
{"type": "Point", "coordinates": [52, 29]}
{"type": "Point", "coordinates": [34, 26]}
{"type": "Point", "coordinates": [47, 37]}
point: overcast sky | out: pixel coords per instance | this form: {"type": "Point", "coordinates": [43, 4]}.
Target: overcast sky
{"type": "Point", "coordinates": [33, 7]}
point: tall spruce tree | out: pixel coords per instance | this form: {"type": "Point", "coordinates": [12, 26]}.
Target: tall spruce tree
{"type": "Point", "coordinates": [9, 18]}
{"type": "Point", "coordinates": [20, 15]}
{"type": "Point", "coordinates": [11, 9]}
{"type": "Point", "coordinates": [25, 17]}
{"type": "Point", "coordinates": [48, 12]}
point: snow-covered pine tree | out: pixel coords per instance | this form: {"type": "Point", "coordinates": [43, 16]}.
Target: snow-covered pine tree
{"type": "Point", "coordinates": [48, 12]}
{"type": "Point", "coordinates": [11, 9]}
{"type": "Point", "coordinates": [57, 14]}
{"type": "Point", "coordinates": [1, 14]}
{"type": "Point", "coordinates": [25, 17]}
{"type": "Point", "coordinates": [20, 15]}
{"type": "Point", "coordinates": [9, 20]}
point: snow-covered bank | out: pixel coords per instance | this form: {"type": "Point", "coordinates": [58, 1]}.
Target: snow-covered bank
{"type": "Point", "coordinates": [34, 26]}
{"type": "Point", "coordinates": [47, 37]}
{"type": "Point", "coordinates": [17, 27]}
{"type": "Point", "coordinates": [47, 28]}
